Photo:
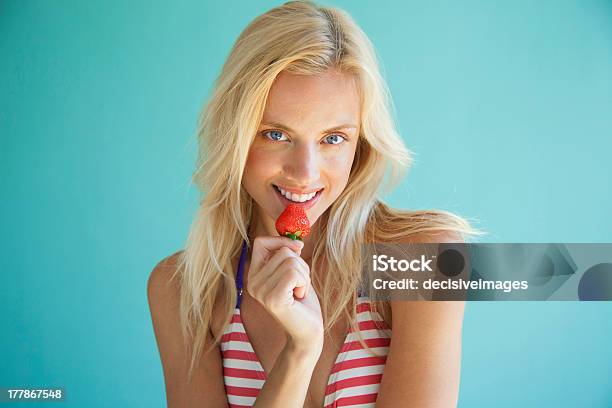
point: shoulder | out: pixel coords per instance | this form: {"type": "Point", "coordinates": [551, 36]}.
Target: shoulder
{"type": "Point", "coordinates": [163, 276]}
{"type": "Point", "coordinates": [206, 385]}
{"type": "Point", "coordinates": [438, 316]}
{"type": "Point", "coordinates": [404, 315]}
{"type": "Point", "coordinates": [163, 295]}
{"type": "Point", "coordinates": [165, 267]}
{"type": "Point", "coordinates": [163, 291]}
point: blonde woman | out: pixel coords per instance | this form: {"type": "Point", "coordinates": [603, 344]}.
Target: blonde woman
{"type": "Point", "coordinates": [244, 317]}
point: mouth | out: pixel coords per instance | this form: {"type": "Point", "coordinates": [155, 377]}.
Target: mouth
{"type": "Point", "coordinates": [305, 201]}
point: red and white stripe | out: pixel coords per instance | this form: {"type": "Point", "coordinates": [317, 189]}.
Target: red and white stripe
{"type": "Point", "coordinates": [355, 376]}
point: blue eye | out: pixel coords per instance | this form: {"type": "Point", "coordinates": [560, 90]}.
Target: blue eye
{"type": "Point", "coordinates": [339, 138]}
{"type": "Point", "coordinates": [277, 135]}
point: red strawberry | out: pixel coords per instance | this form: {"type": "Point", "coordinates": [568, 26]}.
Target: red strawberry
{"type": "Point", "coordinates": [293, 223]}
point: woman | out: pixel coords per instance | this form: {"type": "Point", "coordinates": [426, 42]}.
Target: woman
{"type": "Point", "coordinates": [244, 317]}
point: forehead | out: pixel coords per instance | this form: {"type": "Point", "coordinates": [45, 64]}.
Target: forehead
{"type": "Point", "coordinates": [328, 98]}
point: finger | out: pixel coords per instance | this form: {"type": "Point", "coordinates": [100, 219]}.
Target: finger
{"type": "Point", "coordinates": [291, 277]}
{"type": "Point", "coordinates": [306, 266]}
{"type": "Point", "coordinates": [268, 275]}
{"type": "Point", "coordinates": [305, 270]}
{"type": "Point", "coordinates": [297, 265]}
{"type": "Point", "coordinates": [261, 272]}
{"type": "Point", "coordinates": [271, 272]}
{"type": "Point", "coordinates": [264, 248]}
{"type": "Point", "coordinates": [269, 268]}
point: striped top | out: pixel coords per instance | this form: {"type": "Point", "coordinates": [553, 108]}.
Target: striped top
{"type": "Point", "coordinates": [355, 376]}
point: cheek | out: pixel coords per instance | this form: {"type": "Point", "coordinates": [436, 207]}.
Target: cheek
{"type": "Point", "coordinates": [259, 160]}
{"type": "Point", "coordinates": [259, 165]}
{"type": "Point", "coordinates": [339, 169]}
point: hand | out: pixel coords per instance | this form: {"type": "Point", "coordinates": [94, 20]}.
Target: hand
{"type": "Point", "coordinates": [279, 279]}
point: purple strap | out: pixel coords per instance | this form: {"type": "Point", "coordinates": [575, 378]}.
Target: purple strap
{"type": "Point", "coordinates": [239, 273]}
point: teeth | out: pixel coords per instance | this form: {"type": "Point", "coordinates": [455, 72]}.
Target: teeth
{"type": "Point", "coordinates": [299, 198]}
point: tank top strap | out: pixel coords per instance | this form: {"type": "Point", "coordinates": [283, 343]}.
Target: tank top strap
{"type": "Point", "coordinates": [240, 272]}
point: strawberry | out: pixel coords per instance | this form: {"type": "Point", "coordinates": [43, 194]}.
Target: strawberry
{"type": "Point", "coordinates": [293, 223]}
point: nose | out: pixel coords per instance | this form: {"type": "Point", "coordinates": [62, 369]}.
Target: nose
{"type": "Point", "coordinates": [302, 165]}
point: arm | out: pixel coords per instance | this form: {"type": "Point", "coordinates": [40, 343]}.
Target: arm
{"type": "Point", "coordinates": [424, 361]}
{"type": "Point", "coordinates": [423, 365]}
{"type": "Point", "coordinates": [206, 388]}
{"type": "Point", "coordinates": [288, 381]}
{"type": "Point", "coordinates": [276, 270]}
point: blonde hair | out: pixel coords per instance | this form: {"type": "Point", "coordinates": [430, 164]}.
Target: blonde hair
{"type": "Point", "coordinates": [299, 37]}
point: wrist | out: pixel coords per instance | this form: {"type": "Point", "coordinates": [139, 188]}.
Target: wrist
{"type": "Point", "coordinates": [304, 351]}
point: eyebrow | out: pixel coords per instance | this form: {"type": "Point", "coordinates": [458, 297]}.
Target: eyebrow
{"type": "Point", "coordinates": [287, 128]}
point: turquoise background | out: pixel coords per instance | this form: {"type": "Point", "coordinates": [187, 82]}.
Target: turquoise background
{"type": "Point", "coordinates": [507, 104]}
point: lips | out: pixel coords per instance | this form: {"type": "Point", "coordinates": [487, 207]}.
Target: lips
{"type": "Point", "coordinates": [285, 191]}
{"type": "Point", "coordinates": [305, 205]}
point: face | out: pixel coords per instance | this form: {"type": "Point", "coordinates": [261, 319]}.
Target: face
{"type": "Point", "coordinates": [305, 142]}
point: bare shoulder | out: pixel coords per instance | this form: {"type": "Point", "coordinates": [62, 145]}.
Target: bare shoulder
{"type": "Point", "coordinates": [163, 279]}
{"type": "Point", "coordinates": [441, 317]}
{"type": "Point", "coordinates": [206, 388]}
{"type": "Point", "coordinates": [403, 313]}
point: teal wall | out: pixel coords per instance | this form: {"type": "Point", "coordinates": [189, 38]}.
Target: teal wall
{"type": "Point", "coordinates": [508, 107]}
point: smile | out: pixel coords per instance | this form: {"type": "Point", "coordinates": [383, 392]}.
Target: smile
{"type": "Point", "coordinates": [298, 198]}
{"type": "Point", "coordinates": [303, 200]}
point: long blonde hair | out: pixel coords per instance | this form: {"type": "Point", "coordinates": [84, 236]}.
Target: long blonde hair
{"type": "Point", "coordinates": [302, 38]}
